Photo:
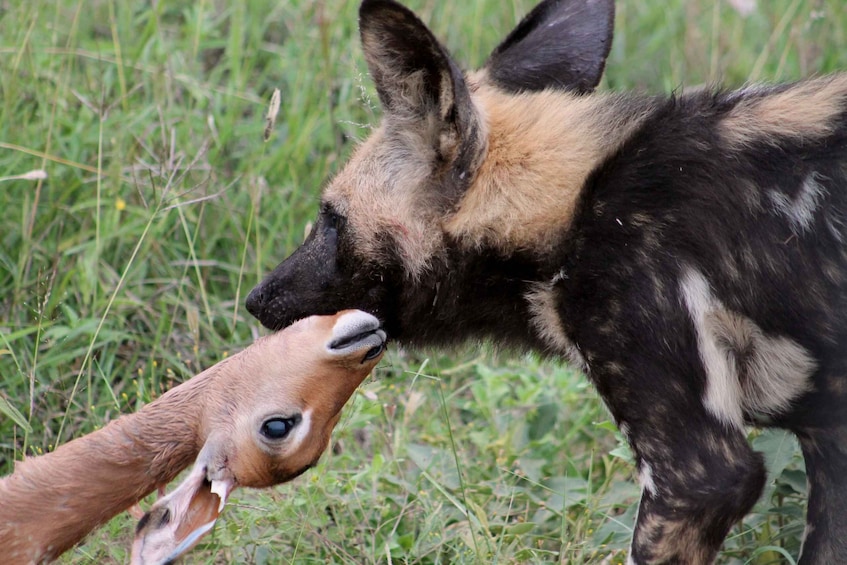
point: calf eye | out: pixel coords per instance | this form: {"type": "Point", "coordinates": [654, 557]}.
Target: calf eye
{"type": "Point", "coordinates": [278, 428]}
{"type": "Point", "coordinates": [166, 517]}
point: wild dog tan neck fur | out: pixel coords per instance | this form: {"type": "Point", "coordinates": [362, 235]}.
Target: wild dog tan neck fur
{"type": "Point", "coordinates": [535, 139]}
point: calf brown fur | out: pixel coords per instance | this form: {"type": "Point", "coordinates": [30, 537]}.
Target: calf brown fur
{"type": "Point", "coordinates": [256, 419]}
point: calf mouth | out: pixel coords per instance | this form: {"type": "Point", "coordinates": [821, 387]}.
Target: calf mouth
{"type": "Point", "coordinates": [358, 331]}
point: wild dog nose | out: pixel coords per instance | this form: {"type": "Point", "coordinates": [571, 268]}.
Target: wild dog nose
{"type": "Point", "coordinates": [357, 331]}
{"type": "Point", "coordinates": [256, 300]}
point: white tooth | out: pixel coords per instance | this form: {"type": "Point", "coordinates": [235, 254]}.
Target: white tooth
{"type": "Point", "coordinates": [220, 488]}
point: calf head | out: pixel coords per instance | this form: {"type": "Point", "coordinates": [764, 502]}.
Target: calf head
{"type": "Point", "coordinates": [267, 419]}
{"type": "Point", "coordinates": [382, 241]}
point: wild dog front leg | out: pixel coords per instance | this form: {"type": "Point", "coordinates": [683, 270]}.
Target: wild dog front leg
{"type": "Point", "coordinates": [693, 494]}
{"type": "Point", "coordinates": [699, 475]}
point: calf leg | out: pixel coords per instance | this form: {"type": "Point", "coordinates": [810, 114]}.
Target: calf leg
{"type": "Point", "coordinates": [825, 452]}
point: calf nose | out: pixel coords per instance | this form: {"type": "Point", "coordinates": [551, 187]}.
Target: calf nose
{"type": "Point", "coordinates": [357, 331]}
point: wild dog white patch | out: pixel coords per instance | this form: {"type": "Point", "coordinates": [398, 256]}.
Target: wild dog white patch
{"type": "Point", "coordinates": [772, 371]}
{"type": "Point", "coordinates": [645, 477]}
{"type": "Point", "coordinates": [723, 391]}
{"type": "Point", "coordinates": [800, 210]}
{"type": "Point", "coordinates": [547, 324]}
{"type": "Point", "coordinates": [747, 371]}
{"type": "Point", "coordinates": [836, 225]}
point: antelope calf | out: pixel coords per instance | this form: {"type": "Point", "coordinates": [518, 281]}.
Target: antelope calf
{"type": "Point", "coordinates": [256, 419]}
{"type": "Point", "coordinates": [688, 252]}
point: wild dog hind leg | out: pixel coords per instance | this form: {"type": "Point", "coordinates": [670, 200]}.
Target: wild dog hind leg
{"type": "Point", "coordinates": [825, 451]}
{"type": "Point", "coordinates": [821, 427]}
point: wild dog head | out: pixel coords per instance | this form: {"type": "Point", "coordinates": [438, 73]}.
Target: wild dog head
{"type": "Point", "coordinates": [415, 223]}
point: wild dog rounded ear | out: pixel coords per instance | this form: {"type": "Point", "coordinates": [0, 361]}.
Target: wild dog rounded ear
{"type": "Point", "coordinates": [560, 44]}
{"type": "Point", "coordinates": [417, 80]}
{"type": "Point", "coordinates": [413, 72]}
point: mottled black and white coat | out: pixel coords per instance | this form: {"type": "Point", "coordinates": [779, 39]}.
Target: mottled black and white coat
{"type": "Point", "coordinates": [688, 252]}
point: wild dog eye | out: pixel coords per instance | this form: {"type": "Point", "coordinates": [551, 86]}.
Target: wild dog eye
{"type": "Point", "coordinates": [278, 428]}
{"type": "Point", "coordinates": [331, 217]}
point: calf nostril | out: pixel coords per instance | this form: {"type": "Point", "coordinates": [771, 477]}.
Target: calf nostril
{"type": "Point", "coordinates": [374, 352]}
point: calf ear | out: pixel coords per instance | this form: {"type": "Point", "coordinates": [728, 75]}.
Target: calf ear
{"type": "Point", "coordinates": [559, 44]}
{"type": "Point", "coordinates": [417, 79]}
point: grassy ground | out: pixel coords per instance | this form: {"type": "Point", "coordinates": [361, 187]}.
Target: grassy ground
{"type": "Point", "coordinates": [125, 271]}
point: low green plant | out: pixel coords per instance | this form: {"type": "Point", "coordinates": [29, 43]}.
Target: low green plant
{"type": "Point", "coordinates": [124, 271]}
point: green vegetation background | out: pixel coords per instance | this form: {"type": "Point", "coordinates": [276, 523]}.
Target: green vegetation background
{"type": "Point", "coordinates": [125, 271]}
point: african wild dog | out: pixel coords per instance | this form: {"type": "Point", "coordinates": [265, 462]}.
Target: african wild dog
{"type": "Point", "coordinates": [688, 252]}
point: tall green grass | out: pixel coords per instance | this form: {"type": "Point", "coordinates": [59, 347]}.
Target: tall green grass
{"type": "Point", "coordinates": [125, 271]}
